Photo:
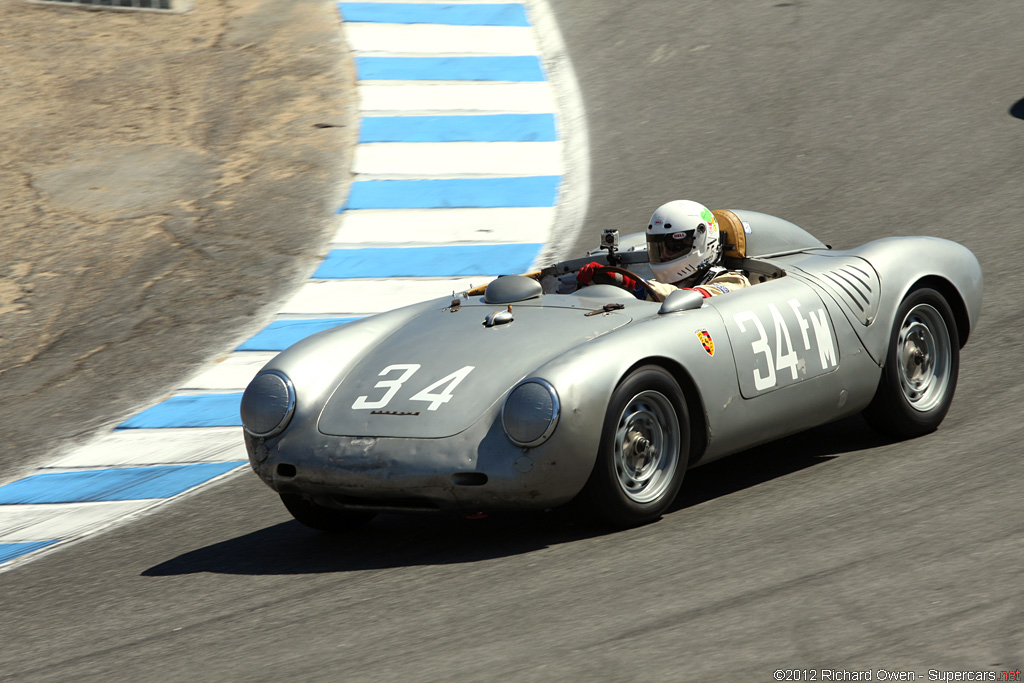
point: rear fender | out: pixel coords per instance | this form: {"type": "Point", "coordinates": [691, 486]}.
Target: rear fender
{"type": "Point", "coordinates": [903, 263]}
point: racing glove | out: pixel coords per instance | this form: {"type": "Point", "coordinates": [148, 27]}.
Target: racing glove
{"type": "Point", "coordinates": [586, 274]}
{"type": "Point", "coordinates": [595, 273]}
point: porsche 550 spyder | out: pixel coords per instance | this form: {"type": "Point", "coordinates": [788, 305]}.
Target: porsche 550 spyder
{"type": "Point", "coordinates": [531, 393]}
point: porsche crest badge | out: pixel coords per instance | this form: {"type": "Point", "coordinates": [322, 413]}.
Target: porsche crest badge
{"type": "Point", "coordinates": [706, 341]}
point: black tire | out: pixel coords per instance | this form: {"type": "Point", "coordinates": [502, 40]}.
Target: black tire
{"type": "Point", "coordinates": [323, 518]}
{"type": "Point", "coordinates": [921, 368]}
{"type": "Point", "coordinates": [644, 450]}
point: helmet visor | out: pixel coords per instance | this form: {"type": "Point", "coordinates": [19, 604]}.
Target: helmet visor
{"type": "Point", "coordinates": [665, 248]}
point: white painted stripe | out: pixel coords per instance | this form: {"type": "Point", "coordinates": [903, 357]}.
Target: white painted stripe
{"type": "Point", "coordinates": [20, 523]}
{"type": "Point", "coordinates": [395, 40]}
{"type": "Point", "coordinates": [231, 373]}
{"type": "Point", "coordinates": [496, 98]}
{"type": "Point", "coordinates": [128, 447]}
{"type": "Point", "coordinates": [359, 297]}
{"type": "Point", "coordinates": [409, 227]}
{"type": "Point", "coordinates": [433, 159]}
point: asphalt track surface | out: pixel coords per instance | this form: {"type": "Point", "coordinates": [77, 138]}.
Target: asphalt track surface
{"type": "Point", "coordinates": [833, 549]}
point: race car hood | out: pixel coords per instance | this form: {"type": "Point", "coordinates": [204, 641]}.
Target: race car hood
{"type": "Point", "coordinates": [439, 372]}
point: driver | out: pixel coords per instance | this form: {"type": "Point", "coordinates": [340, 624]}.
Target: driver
{"type": "Point", "coordinates": [684, 250]}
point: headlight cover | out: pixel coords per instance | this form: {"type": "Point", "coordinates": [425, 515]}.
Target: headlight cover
{"type": "Point", "coordinates": [268, 404]}
{"type": "Point", "coordinates": [530, 413]}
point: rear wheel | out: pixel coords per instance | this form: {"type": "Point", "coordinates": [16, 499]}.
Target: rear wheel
{"type": "Point", "coordinates": [644, 450]}
{"type": "Point", "coordinates": [921, 368]}
{"type": "Point", "coordinates": [324, 518]}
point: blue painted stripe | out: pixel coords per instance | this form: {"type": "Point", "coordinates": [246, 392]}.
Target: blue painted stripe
{"type": "Point", "coordinates": [415, 13]}
{"type": "Point", "coordinates": [484, 128]}
{"type": "Point", "coordinates": [525, 68]}
{"type": "Point", "coordinates": [194, 410]}
{"type": "Point", "coordinates": [280, 334]}
{"type": "Point", "coordinates": [453, 193]}
{"type": "Point", "coordinates": [477, 259]}
{"type": "Point", "coordinates": [129, 483]}
{"type": "Point", "coordinates": [9, 551]}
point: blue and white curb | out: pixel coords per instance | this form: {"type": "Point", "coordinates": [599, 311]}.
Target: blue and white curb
{"type": "Point", "coordinates": [472, 150]}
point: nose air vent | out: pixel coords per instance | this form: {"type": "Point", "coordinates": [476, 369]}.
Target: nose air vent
{"type": "Point", "coordinates": [855, 285]}
{"type": "Point", "coordinates": [469, 478]}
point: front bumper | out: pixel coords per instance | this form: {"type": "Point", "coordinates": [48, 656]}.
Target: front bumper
{"type": "Point", "coordinates": [477, 470]}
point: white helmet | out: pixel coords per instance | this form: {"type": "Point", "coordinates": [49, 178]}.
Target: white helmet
{"type": "Point", "coordinates": [682, 240]}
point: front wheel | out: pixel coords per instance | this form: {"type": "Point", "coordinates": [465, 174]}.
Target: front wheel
{"type": "Point", "coordinates": [645, 446]}
{"type": "Point", "coordinates": [324, 518]}
{"type": "Point", "coordinates": [921, 368]}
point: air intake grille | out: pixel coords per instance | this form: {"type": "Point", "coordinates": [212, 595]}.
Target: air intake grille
{"type": "Point", "coordinates": [854, 283]}
{"type": "Point", "coordinates": [167, 6]}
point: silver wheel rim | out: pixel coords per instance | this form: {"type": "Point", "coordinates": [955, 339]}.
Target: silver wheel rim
{"type": "Point", "coordinates": [923, 356]}
{"type": "Point", "coordinates": [646, 446]}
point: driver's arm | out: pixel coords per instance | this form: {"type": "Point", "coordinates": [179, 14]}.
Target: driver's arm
{"type": "Point", "coordinates": [661, 289]}
{"type": "Point", "coordinates": [729, 281]}
{"type": "Point", "coordinates": [723, 284]}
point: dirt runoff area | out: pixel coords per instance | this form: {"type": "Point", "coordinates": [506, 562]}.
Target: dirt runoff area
{"type": "Point", "coordinates": [165, 180]}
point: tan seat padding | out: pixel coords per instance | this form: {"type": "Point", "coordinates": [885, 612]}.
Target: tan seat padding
{"type": "Point", "coordinates": [732, 233]}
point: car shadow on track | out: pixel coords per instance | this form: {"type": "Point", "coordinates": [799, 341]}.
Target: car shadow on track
{"type": "Point", "coordinates": [404, 540]}
{"type": "Point", "coordinates": [775, 459]}
{"type": "Point", "coordinates": [388, 541]}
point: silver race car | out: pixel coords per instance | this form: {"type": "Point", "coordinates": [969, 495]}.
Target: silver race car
{"type": "Point", "coordinates": [530, 393]}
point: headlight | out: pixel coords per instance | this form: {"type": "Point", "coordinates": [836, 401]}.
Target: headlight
{"type": "Point", "coordinates": [530, 412]}
{"type": "Point", "coordinates": [268, 404]}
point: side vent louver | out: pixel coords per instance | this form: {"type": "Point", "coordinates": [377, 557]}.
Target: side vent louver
{"type": "Point", "coordinates": [855, 285]}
